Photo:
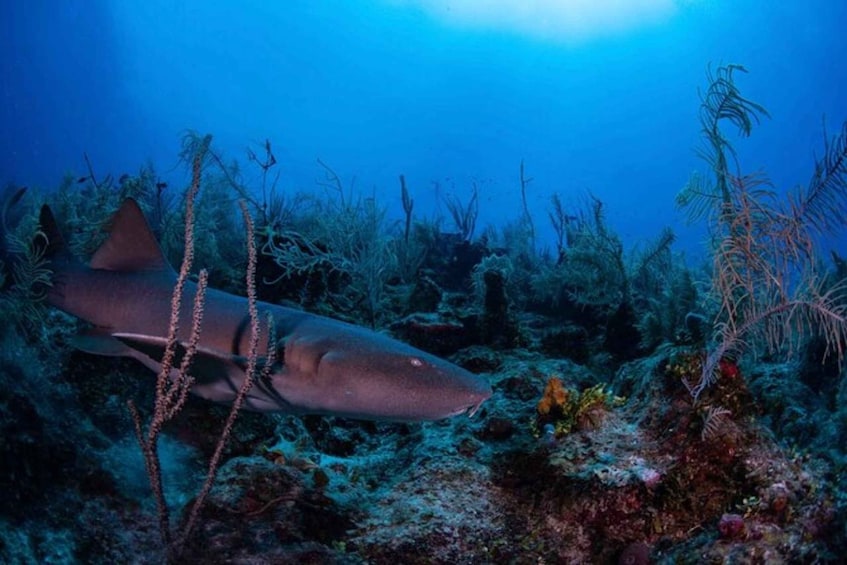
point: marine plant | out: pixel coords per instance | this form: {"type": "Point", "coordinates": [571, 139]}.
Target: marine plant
{"type": "Point", "coordinates": [633, 299]}
{"type": "Point", "coordinates": [411, 248]}
{"type": "Point", "coordinates": [84, 203]}
{"type": "Point", "coordinates": [561, 221]}
{"type": "Point", "coordinates": [25, 273]}
{"type": "Point", "coordinates": [526, 217]}
{"type": "Point", "coordinates": [663, 292]}
{"type": "Point", "coordinates": [334, 251]}
{"type": "Point", "coordinates": [767, 285]}
{"type": "Point", "coordinates": [220, 241]}
{"type": "Point", "coordinates": [592, 270]}
{"type": "Point", "coordinates": [464, 215]}
{"type": "Point", "coordinates": [263, 196]}
{"type": "Point", "coordinates": [172, 391]}
{"type": "Point", "coordinates": [347, 233]}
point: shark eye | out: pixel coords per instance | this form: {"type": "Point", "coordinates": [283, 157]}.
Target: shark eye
{"type": "Point", "coordinates": [416, 362]}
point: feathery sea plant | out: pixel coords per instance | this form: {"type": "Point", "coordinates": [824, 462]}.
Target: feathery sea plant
{"type": "Point", "coordinates": [25, 273]}
{"type": "Point", "coordinates": [766, 279]}
{"type": "Point", "coordinates": [721, 102]}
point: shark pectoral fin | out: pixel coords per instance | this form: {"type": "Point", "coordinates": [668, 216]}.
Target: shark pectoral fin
{"type": "Point", "coordinates": [217, 377]}
{"type": "Point", "coordinates": [100, 342]}
{"type": "Point", "coordinates": [207, 365]}
{"type": "Point", "coordinates": [263, 396]}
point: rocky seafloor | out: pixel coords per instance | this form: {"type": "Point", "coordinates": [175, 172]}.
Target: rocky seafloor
{"type": "Point", "coordinates": [559, 466]}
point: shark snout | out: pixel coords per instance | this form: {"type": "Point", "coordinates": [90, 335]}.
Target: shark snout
{"type": "Point", "coordinates": [404, 385]}
{"type": "Point", "coordinates": [477, 391]}
{"type": "Point", "coordinates": [449, 390]}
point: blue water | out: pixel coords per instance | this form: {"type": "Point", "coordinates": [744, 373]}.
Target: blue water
{"type": "Point", "coordinates": [438, 91]}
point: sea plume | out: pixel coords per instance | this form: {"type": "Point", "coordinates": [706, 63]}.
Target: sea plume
{"type": "Point", "coordinates": [766, 279]}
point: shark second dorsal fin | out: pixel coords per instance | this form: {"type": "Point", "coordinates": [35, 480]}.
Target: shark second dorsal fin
{"type": "Point", "coordinates": [55, 249]}
{"type": "Point", "coordinates": [131, 245]}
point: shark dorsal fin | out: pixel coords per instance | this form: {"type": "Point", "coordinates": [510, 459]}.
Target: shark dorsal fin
{"type": "Point", "coordinates": [131, 245]}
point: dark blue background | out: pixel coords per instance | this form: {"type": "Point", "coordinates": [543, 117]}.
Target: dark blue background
{"type": "Point", "coordinates": [377, 88]}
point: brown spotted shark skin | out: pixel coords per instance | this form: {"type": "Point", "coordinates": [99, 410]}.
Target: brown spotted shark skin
{"type": "Point", "coordinates": [323, 366]}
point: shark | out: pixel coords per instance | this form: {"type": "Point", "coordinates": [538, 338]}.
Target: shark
{"type": "Point", "coordinates": [322, 365]}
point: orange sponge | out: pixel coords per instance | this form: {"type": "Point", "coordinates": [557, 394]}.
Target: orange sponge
{"type": "Point", "coordinates": [555, 397]}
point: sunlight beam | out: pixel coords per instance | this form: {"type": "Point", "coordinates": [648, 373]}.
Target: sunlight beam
{"type": "Point", "coordinates": [558, 20]}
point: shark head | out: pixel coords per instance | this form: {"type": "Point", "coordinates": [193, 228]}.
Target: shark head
{"type": "Point", "coordinates": [355, 372]}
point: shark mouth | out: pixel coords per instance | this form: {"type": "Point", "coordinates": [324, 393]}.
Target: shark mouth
{"type": "Point", "coordinates": [469, 411]}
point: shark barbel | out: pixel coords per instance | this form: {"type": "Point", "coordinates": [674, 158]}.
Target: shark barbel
{"type": "Point", "coordinates": [323, 366]}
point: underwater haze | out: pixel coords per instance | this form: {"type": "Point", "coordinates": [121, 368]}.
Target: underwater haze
{"type": "Point", "coordinates": [423, 281]}
{"type": "Point", "coordinates": [598, 97]}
